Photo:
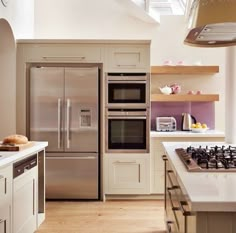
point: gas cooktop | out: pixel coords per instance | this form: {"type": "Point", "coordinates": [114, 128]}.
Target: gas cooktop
{"type": "Point", "coordinates": [208, 158]}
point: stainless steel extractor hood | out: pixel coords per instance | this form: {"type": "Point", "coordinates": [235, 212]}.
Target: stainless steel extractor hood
{"type": "Point", "coordinates": [212, 23]}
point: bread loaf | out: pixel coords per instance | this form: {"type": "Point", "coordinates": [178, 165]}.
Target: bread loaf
{"type": "Point", "coordinates": [15, 139]}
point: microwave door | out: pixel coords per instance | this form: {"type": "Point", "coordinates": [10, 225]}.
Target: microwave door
{"type": "Point", "coordinates": [46, 103]}
{"type": "Point", "coordinates": [81, 109]}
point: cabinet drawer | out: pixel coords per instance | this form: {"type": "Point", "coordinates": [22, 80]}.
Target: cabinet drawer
{"type": "Point", "coordinates": [64, 53]}
{"type": "Point", "coordinates": [128, 58]}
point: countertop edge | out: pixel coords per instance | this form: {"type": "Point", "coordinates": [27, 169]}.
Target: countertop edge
{"type": "Point", "coordinates": [209, 133]}
{"type": "Point", "coordinates": [14, 156]}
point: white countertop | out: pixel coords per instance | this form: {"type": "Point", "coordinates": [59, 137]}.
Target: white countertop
{"type": "Point", "coordinates": [208, 133]}
{"type": "Point", "coordinates": [207, 191]}
{"type": "Point", "coordinates": [7, 157]}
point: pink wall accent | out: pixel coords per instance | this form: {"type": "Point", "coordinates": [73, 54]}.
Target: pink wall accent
{"type": "Point", "coordinates": [204, 112]}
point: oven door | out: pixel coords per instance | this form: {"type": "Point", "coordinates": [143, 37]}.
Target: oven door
{"type": "Point", "coordinates": [127, 91]}
{"type": "Point", "coordinates": [127, 133]}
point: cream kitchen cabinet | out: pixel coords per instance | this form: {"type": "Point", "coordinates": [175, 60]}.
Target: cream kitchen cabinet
{"type": "Point", "coordinates": [127, 174]}
{"type": "Point", "coordinates": [62, 52]}
{"type": "Point", "coordinates": [128, 58]}
{"type": "Point", "coordinates": [5, 199]}
{"type": "Point", "coordinates": [157, 150]}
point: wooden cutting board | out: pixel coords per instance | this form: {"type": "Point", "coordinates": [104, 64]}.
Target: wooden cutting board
{"type": "Point", "coordinates": [15, 147]}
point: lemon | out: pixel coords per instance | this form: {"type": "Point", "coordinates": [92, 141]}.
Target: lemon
{"type": "Point", "coordinates": [198, 126]}
{"type": "Point", "coordinates": [193, 125]}
{"type": "Point", "coordinates": [204, 125]}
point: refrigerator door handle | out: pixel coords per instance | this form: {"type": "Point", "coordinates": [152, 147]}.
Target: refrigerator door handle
{"type": "Point", "coordinates": [68, 123]}
{"type": "Point", "coordinates": [59, 123]}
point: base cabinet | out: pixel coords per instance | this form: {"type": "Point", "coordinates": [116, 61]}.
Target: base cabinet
{"type": "Point", "coordinates": [157, 150]}
{"type": "Point", "coordinates": [127, 174]}
{"type": "Point", "coordinates": [5, 219]}
{"type": "Point", "coordinates": [24, 202]}
{"type": "Point", "coordinates": [5, 199]}
{"type": "Point", "coordinates": [180, 218]}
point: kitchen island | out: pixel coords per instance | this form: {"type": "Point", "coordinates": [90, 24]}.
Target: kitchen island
{"type": "Point", "coordinates": [22, 188]}
{"type": "Point", "coordinates": [198, 202]}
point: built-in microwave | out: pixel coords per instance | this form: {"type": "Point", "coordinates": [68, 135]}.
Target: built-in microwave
{"type": "Point", "coordinates": [127, 131]}
{"type": "Point", "coordinates": [127, 90]}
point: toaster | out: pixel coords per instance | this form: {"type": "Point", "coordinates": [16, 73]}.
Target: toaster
{"type": "Point", "coordinates": [166, 124]}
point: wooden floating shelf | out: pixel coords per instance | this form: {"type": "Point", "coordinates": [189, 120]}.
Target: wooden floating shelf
{"type": "Point", "coordinates": [184, 69]}
{"type": "Point", "coordinates": [184, 98]}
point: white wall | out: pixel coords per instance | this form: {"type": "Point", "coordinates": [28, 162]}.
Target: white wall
{"type": "Point", "coordinates": [107, 19]}
{"type": "Point", "coordinates": [20, 15]}
{"type": "Point", "coordinates": [16, 21]}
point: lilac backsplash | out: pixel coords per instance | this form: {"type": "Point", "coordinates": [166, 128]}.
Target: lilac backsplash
{"type": "Point", "coordinates": [204, 112]}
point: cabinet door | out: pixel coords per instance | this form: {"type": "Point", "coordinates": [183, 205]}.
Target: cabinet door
{"type": "Point", "coordinates": [128, 176]}
{"type": "Point", "coordinates": [128, 58]}
{"type": "Point", "coordinates": [5, 182]}
{"type": "Point", "coordinates": [5, 219]}
{"type": "Point", "coordinates": [24, 202]}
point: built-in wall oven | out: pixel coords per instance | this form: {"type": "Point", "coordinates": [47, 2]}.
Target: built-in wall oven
{"type": "Point", "coordinates": [127, 90]}
{"type": "Point", "coordinates": [127, 112]}
{"type": "Point", "coordinates": [127, 130]}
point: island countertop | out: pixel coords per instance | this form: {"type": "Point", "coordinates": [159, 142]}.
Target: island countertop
{"type": "Point", "coordinates": [206, 191]}
{"type": "Point", "coordinates": [7, 157]}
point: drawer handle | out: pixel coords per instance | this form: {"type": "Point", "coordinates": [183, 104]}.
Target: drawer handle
{"type": "Point", "coordinates": [164, 158]}
{"type": "Point", "coordinates": [174, 187]}
{"type": "Point", "coordinates": [126, 162]}
{"type": "Point", "coordinates": [185, 212]}
{"type": "Point", "coordinates": [170, 171]}
{"type": "Point", "coordinates": [168, 224]}
{"type": "Point", "coordinates": [52, 57]}
{"type": "Point", "coordinates": [126, 65]}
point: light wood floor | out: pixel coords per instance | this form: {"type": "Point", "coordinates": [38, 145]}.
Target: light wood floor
{"type": "Point", "coordinates": [104, 217]}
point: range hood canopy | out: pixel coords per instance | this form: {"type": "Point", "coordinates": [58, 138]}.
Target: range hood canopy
{"type": "Point", "coordinates": [212, 23]}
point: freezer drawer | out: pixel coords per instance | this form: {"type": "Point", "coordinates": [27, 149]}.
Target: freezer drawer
{"type": "Point", "coordinates": [73, 176]}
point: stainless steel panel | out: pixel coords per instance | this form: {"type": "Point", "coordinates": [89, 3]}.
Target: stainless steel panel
{"type": "Point", "coordinates": [72, 177]}
{"type": "Point", "coordinates": [46, 95]}
{"type": "Point", "coordinates": [81, 97]}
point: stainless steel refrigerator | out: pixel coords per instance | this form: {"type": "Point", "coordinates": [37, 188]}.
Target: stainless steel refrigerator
{"type": "Point", "coordinates": [64, 110]}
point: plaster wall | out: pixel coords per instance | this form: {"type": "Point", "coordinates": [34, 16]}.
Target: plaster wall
{"type": "Point", "coordinates": [107, 19]}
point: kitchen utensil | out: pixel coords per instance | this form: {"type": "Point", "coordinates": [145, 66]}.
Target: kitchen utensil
{"type": "Point", "coordinates": [187, 121]}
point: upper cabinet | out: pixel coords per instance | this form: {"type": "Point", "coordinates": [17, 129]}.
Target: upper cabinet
{"type": "Point", "coordinates": [128, 58]}
{"type": "Point", "coordinates": [165, 70]}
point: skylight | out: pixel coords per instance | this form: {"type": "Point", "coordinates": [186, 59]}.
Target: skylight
{"type": "Point", "coordinates": [163, 7]}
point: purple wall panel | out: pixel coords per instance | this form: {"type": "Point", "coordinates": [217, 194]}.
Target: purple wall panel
{"type": "Point", "coordinates": [204, 112]}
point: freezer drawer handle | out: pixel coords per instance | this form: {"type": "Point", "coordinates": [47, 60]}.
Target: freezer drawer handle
{"type": "Point", "coordinates": [59, 123]}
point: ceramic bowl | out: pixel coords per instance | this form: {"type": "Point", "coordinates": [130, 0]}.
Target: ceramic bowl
{"type": "Point", "coordinates": [199, 130]}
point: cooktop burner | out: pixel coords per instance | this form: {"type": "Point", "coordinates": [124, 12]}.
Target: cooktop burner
{"type": "Point", "coordinates": [208, 158]}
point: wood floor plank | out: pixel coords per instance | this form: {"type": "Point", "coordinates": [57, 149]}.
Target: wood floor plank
{"type": "Point", "coordinates": [130, 216]}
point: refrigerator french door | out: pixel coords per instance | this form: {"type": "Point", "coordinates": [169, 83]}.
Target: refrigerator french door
{"type": "Point", "coordinates": [64, 107]}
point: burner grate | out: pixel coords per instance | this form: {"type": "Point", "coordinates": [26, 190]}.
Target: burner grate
{"type": "Point", "coordinates": [216, 158]}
